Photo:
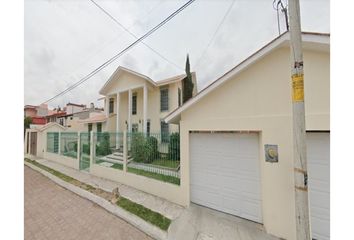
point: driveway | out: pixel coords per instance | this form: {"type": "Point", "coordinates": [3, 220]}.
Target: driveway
{"type": "Point", "coordinates": [52, 212]}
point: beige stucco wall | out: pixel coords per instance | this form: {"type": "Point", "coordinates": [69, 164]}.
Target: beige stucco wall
{"type": "Point", "coordinates": [164, 190]}
{"type": "Point", "coordinates": [259, 99]}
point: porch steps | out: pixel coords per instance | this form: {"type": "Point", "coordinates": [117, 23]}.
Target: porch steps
{"type": "Point", "coordinates": [116, 157]}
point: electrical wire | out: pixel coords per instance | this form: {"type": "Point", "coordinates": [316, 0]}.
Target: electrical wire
{"type": "Point", "coordinates": [214, 35]}
{"type": "Point", "coordinates": [112, 59]}
{"type": "Point", "coordinates": [132, 34]}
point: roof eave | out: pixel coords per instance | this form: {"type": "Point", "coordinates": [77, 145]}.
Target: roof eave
{"type": "Point", "coordinates": [175, 116]}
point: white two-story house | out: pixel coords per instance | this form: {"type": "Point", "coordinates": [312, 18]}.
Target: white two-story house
{"type": "Point", "coordinates": [136, 103]}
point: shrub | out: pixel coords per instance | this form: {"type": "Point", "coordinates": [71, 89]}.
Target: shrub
{"type": "Point", "coordinates": [86, 148]}
{"type": "Point", "coordinates": [138, 147]}
{"type": "Point", "coordinates": [152, 148]}
{"type": "Point", "coordinates": [144, 149]}
{"type": "Point", "coordinates": [174, 147]}
{"type": "Point", "coordinates": [103, 148]}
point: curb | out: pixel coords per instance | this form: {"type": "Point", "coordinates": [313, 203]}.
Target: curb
{"type": "Point", "coordinates": [134, 220]}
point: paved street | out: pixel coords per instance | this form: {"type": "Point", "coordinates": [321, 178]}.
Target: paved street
{"type": "Point", "coordinates": [52, 212]}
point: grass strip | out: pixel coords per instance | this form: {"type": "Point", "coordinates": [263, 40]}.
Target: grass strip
{"type": "Point", "coordinates": [157, 176]}
{"type": "Point", "coordinates": [148, 215]}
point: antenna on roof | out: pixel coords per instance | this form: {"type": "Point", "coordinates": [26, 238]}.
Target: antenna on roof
{"type": "Point", "coordinates": [278, 5]}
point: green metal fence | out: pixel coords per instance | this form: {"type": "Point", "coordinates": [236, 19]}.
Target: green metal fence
{"type": "Point", "coordinates": [53, 142]}
{"type": "Point", "coordinates": [155, 155]}
{"type": "Point", "coordinates": [108, 149]}
{"type": "Point", "coordinates": [68, 144]}
{"type": "Point", "coordinates": [85, 154]}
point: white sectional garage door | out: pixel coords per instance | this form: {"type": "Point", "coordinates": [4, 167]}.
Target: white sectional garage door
{"type": "Point", "coordinates": [318, 154]}
{"type": "Point", "coordinates": [225, 173]}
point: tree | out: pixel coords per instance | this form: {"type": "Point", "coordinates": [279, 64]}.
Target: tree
{"type": "Point", "coordinates": [187, 83]}
{"type": "Point", "coordinates": [27, 122]}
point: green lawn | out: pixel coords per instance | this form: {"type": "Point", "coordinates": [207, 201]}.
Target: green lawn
{"type": "Point", "coordinates": [166, 163]}
{"type": "Point", "coordinates": [157, 176]}
{"type": "Point", "coordinates": [148, 215]}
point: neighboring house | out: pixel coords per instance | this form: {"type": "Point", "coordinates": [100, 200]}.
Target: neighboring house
{"type": "Point", "coordinates": [36, 111]}
{"type": "Point", "coordinates": [74, 121]}
{"type": "Point", "coordinates": [95, 122]}
{"type": "Point", "coordinates": [56, 116]}
{"type": "Point", "coordinates": [71, 108]}
{"type": "Point", "coordinates": [227, 128]}
{"type": "Point", "coordinates": [136, 103]}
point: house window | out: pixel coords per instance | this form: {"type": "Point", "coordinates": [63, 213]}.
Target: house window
{"type": "Point", "coordinates": [134, 97]}
{"type": "Point", "coordinates": [135, 127]}
{"type": "Point", "coordinates": [99, 127]}
{"type": "Point", "coordinates": [148, 128]}
{"type": "Point", "coordinates": [179, 97]}
{"type": "Point", "coordinates": [164, 132]}
{"type": "Point", "coordinates": [61, 121]}
{"type": "Point", "coordinates": [164, 99]}
{"type": "Point", "coordinates": [89, 127]}
{"type": "Point", "coordinates": [111, 105]}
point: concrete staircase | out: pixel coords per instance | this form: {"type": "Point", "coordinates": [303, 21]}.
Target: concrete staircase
{"type": "Point", "coordinates": [116, 157]}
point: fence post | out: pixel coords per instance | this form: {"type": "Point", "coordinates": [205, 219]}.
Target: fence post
{"type": "Point", "coordinates": [78, 150]}
{"type": "Point", "coordinates": [59, 143]}
{"type": "Point", "coordinates": [125, 151]}
{"type": "Point", "coordinates": [91, 149]}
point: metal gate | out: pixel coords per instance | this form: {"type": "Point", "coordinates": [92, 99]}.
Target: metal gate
{"type": "Point", "coordinates": [33, 143]}
{"type": "Point", "coordinates": [84, 163]}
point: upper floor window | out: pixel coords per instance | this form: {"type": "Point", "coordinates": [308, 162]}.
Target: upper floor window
{"type": "Point", "coordinates": [179, 97]}
{"type": "Point", "coordinates": [134, 98]}
{"type": "Point", "coordinates": [111, 105]}
{"type": "Point", "coordinates": [164, 99]}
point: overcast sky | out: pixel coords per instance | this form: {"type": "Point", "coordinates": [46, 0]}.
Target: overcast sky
{"type": "Point", "coordinates": [67, 39]}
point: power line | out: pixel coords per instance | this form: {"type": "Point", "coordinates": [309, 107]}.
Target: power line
{"type": "Point", "coordinates": [105, 64]}
{"type": "Point", "coordinates": [132, 34]}
{"type": "Point", "coordinates": [214, 35]}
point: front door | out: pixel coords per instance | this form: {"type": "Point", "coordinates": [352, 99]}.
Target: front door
{"type": "Point", "coordinates": [84, 163]}
{"type": "Point", "coordinates": [33, 143]}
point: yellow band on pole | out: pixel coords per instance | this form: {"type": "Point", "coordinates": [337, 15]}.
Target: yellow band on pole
{"type": "Point", "coordinates": [298, 87]}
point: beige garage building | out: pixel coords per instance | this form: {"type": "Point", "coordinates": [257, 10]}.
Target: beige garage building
{"type": "Point", "coordinates": [225, 127]}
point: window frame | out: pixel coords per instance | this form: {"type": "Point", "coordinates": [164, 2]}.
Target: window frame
{"type": "Point", "coordinates": [111, 106]}
{"type": "Point", "coordinates": [164, 107]}
{"type": "Point", "coordinates": [134, 103]}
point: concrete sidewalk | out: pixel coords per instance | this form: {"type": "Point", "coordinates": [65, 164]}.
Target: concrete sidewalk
{"type": "Point", "coordinates": [164, 207]}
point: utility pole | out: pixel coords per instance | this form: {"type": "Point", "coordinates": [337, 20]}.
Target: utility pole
{"type": "Point", "coordinates": [299, 129]}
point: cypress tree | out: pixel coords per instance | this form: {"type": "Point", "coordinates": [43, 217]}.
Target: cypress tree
{"type": "Point", "coordinates": [187, 83]}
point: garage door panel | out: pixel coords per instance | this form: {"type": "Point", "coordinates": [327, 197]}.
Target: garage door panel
{"type": "Point", "coordinates": [250, 210]}
{"type": "Point", "coordinates": [318, 155]}
{"type": "Point", "coordinates": [228, 167]}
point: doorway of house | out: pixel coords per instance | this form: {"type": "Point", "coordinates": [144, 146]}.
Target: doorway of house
{"type": "Point", "coordinates": [33, 143]}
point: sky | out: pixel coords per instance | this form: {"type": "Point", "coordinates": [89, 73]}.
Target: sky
{"type": "Point", "coordinates": [64, 40]}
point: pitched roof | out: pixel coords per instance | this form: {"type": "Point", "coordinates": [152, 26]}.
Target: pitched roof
{"type": "Point", "coordinates": [51, 124]}
{"type": "Point", "coordinates": [309, 39]}
{"type": "Point", "coordinates": [121, 70]}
